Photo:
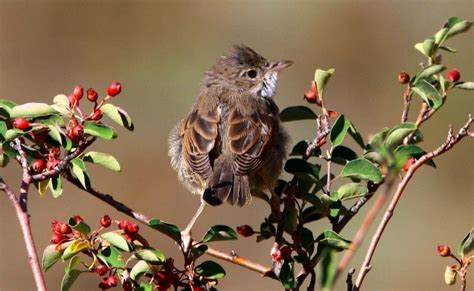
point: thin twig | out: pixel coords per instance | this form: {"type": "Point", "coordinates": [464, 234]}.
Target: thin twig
{"type": "Point", "coordinates": [121, 207]}
{"type": "Point", "coordinates": [364, 227]}
{"type": "Point", "coordinates": [349, 279]}
{"type": "Point", "coordinates": [406, 103]}
{"type": "Point", "coordinates": [451, 140]}
{"type": "Point", "coordinates": [24, 221]}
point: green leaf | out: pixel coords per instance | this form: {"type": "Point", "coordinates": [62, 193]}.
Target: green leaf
{"type": "Point", "coordinates": [51, 255]}
{"type": "Point", "coordinates": [6, 107]}
{"type": "Point", "coordinates": [287, 276]}
{"type": "Point", "coordinates": [80, 172]}
{"type": "Point", "coordinates": [398, 133]}
{"type": "Point", "coordinates": [339, 130]}
{"type": "Point", "coordinates": [321, 78]}
{"type": "Point", "coordinates": [218, 233]}
{"type": "Point", "coordinates": [291, 220]}
{"type": "Point", "coordinates": [307, 241]}
{"type": "Point", "coordinates": [333, 240]}
{"type": "Point", "coordinates": [294, 113]}
{"type": "Point", "coordinates": [459, 27]}
{"type": "Point", "coordinates": [61, 104]}
{"type": "Point", "coordinates": [112, 257]}
{"type": "Point", "coordinates": [150, 255]}
{"type": "Point", "coordinates": [341, 155]}
{"type": "Point", "coordinates": [4, 160]}
{"type": "Point", "coordinates": [448, 49]}
{"type": "Point", "coordinates": [294, 166]}
{"type": "Point", "coordinates": [99, 130]}
{"type": "Point", "coordinates": [465, 85]}
{"type": "Point", "coordinates": [11, 134]}
{"type": "Point", "coordinates": [80, 226]}
{"type": "Point", "coordinates": [145, 286]}
{"type": "Point", "coordinates": [165, 228]}
{"type": "Point", "coordinates": [413, 151]}
{"type": "Point", "coordinates": [441, 35]}
{"type": "Point", "coordinates": [33, 109]}
{"type": "Point", "coordinates": [197, 251]}
{"type": "Point", "coordinates": [50, 120]}
{"type": "Point", "coordinates": [118, 115]}
{"type": "Point", "coordinates": [74, 248]}
{"type": "Point", "coordinates": [467, 244]}
{"type": "Point", "coordinates": [378, 138]}
{"type": "Point", "coordinates": [351, 191]}
{"type": "Point", "coordinates": [362, 169]}
{"type": "Point", "coordinates": [429, 46]}
{"type": "Point", "coordinates": [428, 93]}
{"type": "Point", "coordinates": [117, 240]}
{"type": "Point", "coordinates": [3, 130]}
{"type": "Point", "coordinates": [210, 270]}
{"type": "Point", "coordinates": [55, 186]}
{"type": "Point", "coordinates": [140, 267]}
{"type": "Point", "coordinates": [55, 134]}
{"type": "Point", "coordinates": [328, 267]}
{"type": "Point", "coordinates": [419, 47]}
{"type": "Point", "coordinates": [451, 21]}
{"type": "Point", "coordinates": [103, 159]}
{"type": "Point", "coordinates": [69, 278]}
{"type": "Point", "coordinates": [429, 71]}
{"type": "Point", "coordinates": [300, 149]}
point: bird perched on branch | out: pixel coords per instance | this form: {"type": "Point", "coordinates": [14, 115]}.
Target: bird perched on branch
{"type": "Point", "coordinates": [231, 142]}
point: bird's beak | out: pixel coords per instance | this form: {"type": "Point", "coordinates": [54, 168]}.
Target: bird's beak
{"type": "Point", "coordinates": [278, 66]}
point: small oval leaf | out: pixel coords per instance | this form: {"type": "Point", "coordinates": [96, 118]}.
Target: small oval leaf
{"type": "Point", "coordinates": [362, 169]}
{"type": "Point", "coordinates": [32, 109]}
{"type": "Point", "coordinates": [294, 113]}
{"type": "Point", "coordinates": [103, 159]}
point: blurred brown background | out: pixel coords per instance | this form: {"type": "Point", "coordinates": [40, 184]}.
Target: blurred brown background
{"type": "Point", "coordinates": [159, 50]}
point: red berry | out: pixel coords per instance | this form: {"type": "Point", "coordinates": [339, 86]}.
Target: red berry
{"type": "Point", "coordinates": [51, 164]}
{"type": "Point", "coordinates": [123, 224]}
{"type": "Point", "coordinates": [78, 218]}
{"type": "Point", "coordinates": [78, 92]}
{"type": "Point", "coordinates": [56, 226]}
{"type": "Point", "coordinates": [454, 75]}
{"type": "Point", "coordinates": [21, 123]}
{"type": "Point", "coordinates": [101, 270]}
{"type": "Point", "coordinates": [65, 228]}
{"type": "Point", "coordinates": [108, 282]}
{"type": "Point", "coordinates": [403, 78]}
{"type": "Point", "coordinates": [76, 133]}
{"type": "Point", "coordinates": [39, 135]}
{"type": "Point", "coordinates": [285, 252]}
{"type": "Point", "coordinates": [408, 164]}
{"type": "Point", "coordinates": [114, 89]}
{"type": "Point", "coordinates": [105, 221]}
{"type": "Point", "coordinates": [57, 238]}
{"type": "Point", "coordinates": [245, 230]}
{"type": "Point", "coordinates": [444, 250]}
{"type": "Point", "coordinates": [97, 115]}
{"type": "Point", "coordinates": [132, 228]}
{"type": "Point", "coordinates": [92, 95]}
{"type": "Point", "coordinates": [129, 237]}
{"type": "Point", "coordinates": [39, 165]}
{"type": "Point", "coordinates": [312, 95]}
{"type": "Point", "coordinates": [276, 255]}
{"type": "Point", "coordinates": [73, 101]}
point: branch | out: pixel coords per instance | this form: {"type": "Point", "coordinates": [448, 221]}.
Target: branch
{"type": "Point", "coordinates": [24, 221]}
{"type": "Point", "coordinates": [451, 140]}
{"type": "Point", "coordinates": [406, 103]}
{"type": "Point", "coordinates": [121, 207]}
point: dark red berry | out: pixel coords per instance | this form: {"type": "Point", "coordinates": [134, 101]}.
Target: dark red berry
{"type": "Point", "coordinates": [76, 133]}
{"type": "Point", "coordinates": [101, 270]}
{"type": "Point", "coordinates": [108, 282]}
{"type": "Point", "coordinates": [92, 95]}
{"type": "Point", "coordinates": [312, 95]}
{"type": "Point", "coordinates": [73, 101]}
{"type": "Point", "coordinates": [245, 230]}
{"type": "Point", "coordinates": [114, 89]}
{"type": "Point", "coordinates": [51, 164]}
{"type": "Point", "coordinates": [444, 250]}
{"type": "Point", "coordinates": [78, 92]}
{"type": "Point", "coordinates": [65, 228]}
{"type": "Point", "coordinates": [454, 75]}
{"type": "Point", "coordinates": [105, 221]}
{"type": "Point", "coordinates": [123, 224]}
{"type": "Point", "coordinates": [285, 252]}
{"type": "Point", "coordinates": [97, 115]}
{"type": "Point", "coordinates": [57, 238]}
{"type": "Point", "coordinates": [132, 228]}
{"type": "Point", "coordinates": [39, 165]}
{"type": "Point", "coordinates": [21, 123]}
{"type": "Point", "coordinates": [403, 77]}
{"type": "Point", "coordinates": [129, 237]}
{"type": "Point", "coordinates": [39, 135]}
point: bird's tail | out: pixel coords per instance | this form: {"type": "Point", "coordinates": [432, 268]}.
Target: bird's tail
{"type": "Point", "coordinates": [223, 185]}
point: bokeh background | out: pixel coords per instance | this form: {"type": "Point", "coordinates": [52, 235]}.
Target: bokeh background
{"type": "Point", "coordinates": [159, 50]}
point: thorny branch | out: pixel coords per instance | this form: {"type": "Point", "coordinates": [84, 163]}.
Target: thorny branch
{"type": "Point", "coordinates": [450, 141]}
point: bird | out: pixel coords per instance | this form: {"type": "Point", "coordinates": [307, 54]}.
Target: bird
{"type": "Point", "coordinates": [232, 142]}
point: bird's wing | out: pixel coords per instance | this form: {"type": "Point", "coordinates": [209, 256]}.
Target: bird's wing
{"type": "Point", "coordinates": [248, 137]}
{"type": "Point", "coordinates": [199, 131]}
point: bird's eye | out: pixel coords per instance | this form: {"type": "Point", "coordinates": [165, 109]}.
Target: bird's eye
{"type": "Point", "coordinates": [252, 74]}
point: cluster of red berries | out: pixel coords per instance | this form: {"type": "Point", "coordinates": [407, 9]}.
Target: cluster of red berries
{"type": "Point", "coordinates": [40, 164]}
{"type": "Point", "coordinates": [129, 229]}
{"type": "Point", "coordinates": [108, 282]}
{"type": "Point", "coordinates": [75, 130]}
{"type": "Point", "coordinates": [166, 277]}
{"type": "Point", "coordinates": [62, 232]}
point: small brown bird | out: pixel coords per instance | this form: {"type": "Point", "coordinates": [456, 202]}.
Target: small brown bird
{"type": "Point", "coordinates": [232, 141]}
